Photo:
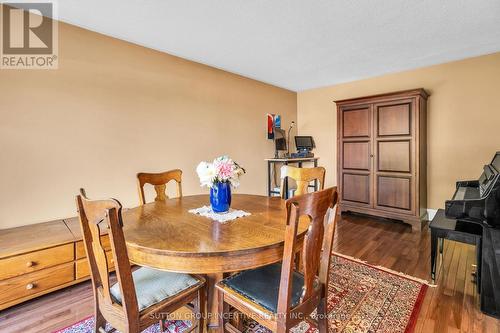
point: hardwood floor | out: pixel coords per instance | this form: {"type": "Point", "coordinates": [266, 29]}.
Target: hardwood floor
{"type": "Point", "coordinates": [450, 307]}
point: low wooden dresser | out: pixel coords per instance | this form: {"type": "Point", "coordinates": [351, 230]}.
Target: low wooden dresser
{"type": "Point", "coordinates": [82, 268]}
{"type": "Point", "coordinates": [40, 258]}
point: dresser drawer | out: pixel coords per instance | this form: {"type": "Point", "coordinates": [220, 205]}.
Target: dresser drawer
{"type": "Point", "coordinates": [35, 261]}
{"type": "Point", "coordinates": [83, 267]}
{"type": "Point", "coordinates": [80, 248]}
{"type": "Point", "coordinates": [36, 282]}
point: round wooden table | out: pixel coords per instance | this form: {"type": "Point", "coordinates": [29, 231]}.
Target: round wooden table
{"type": "Point", "coordinates": [164, 235]}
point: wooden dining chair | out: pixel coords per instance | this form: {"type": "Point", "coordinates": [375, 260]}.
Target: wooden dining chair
{"type": "Point", "coordinates": [303, 177]}
{"type": "Point", "coordinates": [139, 298]}
{"type": "Point", "coordinates": [277, 296]}
{"type": "Point", "coordinates": [159, 181]}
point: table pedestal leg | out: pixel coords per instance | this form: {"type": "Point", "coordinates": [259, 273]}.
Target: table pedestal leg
{"type": "Point", "coordinates": [213, 302]}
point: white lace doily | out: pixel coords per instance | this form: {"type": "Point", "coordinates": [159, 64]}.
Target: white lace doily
{"type": "Point", "coordinates": [207, 211]}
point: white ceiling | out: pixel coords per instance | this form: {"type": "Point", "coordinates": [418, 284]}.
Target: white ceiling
{"type": "Point", "coordinates": [299, 44]}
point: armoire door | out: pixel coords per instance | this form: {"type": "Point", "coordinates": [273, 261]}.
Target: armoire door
{"type": "Point", "coordinates": [393, 145]}
{"type": "Point", "coordinates": [355, 149]}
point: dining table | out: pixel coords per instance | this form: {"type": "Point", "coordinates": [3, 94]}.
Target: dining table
{"type": "Point", "coordinates": [165, 235]}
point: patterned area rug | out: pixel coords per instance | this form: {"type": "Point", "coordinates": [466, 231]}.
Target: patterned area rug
{"type": "Point", "coordinates": [362, 298]}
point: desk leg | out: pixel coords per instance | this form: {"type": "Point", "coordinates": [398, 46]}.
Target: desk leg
{"type": "Point", "coordinates": [434, 245]}
{"type": "Point", "coordinates": [268, 178]}
{"type": "Point", "coordinates": [213, 302]}
{"type": "Point", "coordinates": [286, 185]}
{"type": "Point", "coordinates": [315, 181]}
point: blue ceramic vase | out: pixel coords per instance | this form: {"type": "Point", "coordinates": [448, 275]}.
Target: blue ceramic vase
{"type": "Point", "coordinates": [220, 197]}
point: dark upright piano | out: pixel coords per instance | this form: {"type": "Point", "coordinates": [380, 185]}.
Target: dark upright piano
{"type": "Point", "coordinates": [478, 201]}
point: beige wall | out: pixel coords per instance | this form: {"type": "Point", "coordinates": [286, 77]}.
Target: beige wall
{"type": "Point", "coordinates": [113, 109]}
{"type": "Point", "coordinates": [463, 118]}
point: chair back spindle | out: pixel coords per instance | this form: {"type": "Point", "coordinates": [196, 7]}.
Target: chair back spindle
{"type": "Point", "coordinates": [303, 177]}
{"type": "Point", "coordinates": [159, 182]}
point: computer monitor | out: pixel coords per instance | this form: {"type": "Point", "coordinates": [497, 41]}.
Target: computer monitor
{"type": "Point", "coordinates": [279, 139]}
{"type": "Point", "coordinates": [304, 142]}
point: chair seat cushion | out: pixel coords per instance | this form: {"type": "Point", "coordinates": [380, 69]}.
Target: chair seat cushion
{"type": "Point", "coordinates": [153, 286]}
{"type": "Point", "coordinates": [261, 286]}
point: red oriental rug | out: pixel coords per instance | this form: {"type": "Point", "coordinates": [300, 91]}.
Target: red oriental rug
{"type": "Point", "coordinates": [362, 298]}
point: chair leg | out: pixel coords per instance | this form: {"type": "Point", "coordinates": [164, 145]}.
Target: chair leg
{"type": "Point", "coordinates": [100, 322]}
{"type": "Point", "coordinates": [322, 316]}
{"type": "Point", "coordinates": [201, 310]}
{"type": "Point", "coordinates": [281, 326]}
{"type": "Point", "coordinates": [238, 320]}
{"type": "Point", "coordinates": [221, 313]}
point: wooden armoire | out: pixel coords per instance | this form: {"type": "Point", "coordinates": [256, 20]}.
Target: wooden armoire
{"type": "Point", "coordinates": [382, 155]}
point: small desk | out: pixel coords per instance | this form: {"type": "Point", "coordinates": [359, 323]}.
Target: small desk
{"type": "Point", "coordinates": [286, 161]}
{"type": "Point", "coordinates": [456, 230]}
